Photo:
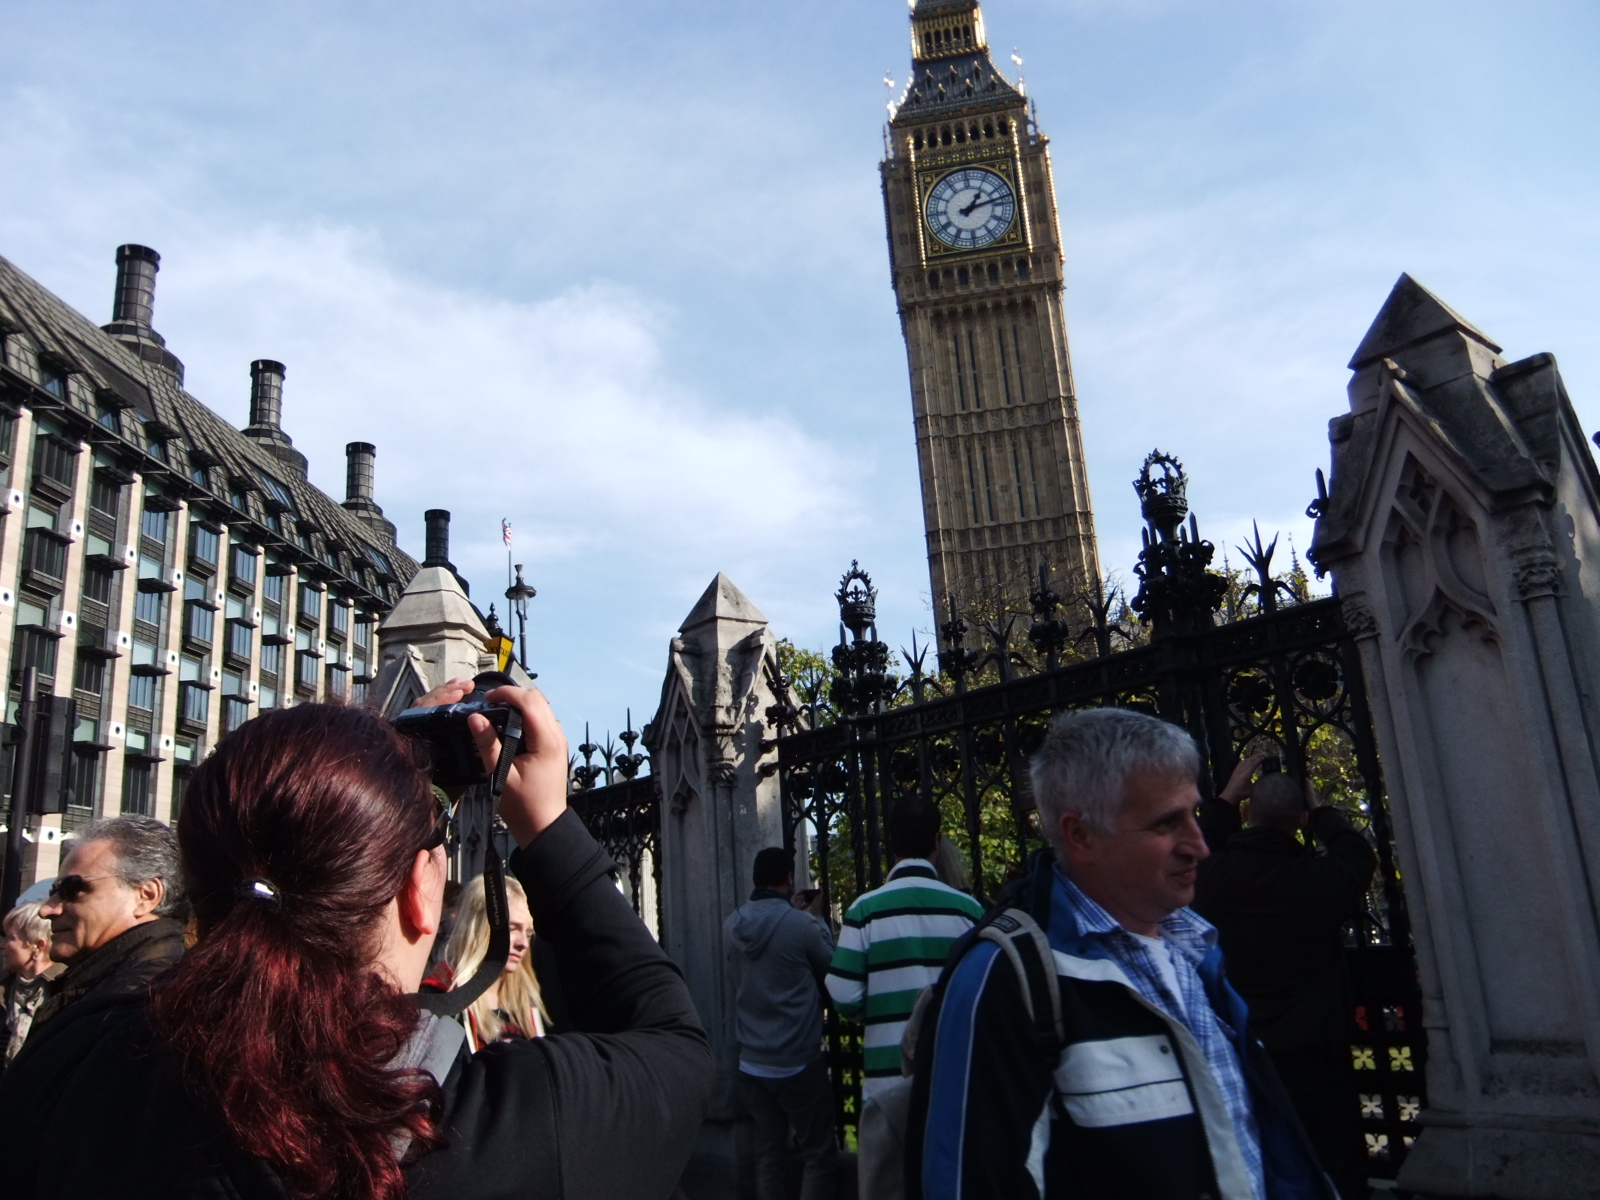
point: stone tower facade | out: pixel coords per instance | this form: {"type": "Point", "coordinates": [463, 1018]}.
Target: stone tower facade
{"type": "Point", "coordinates": [975, 251]}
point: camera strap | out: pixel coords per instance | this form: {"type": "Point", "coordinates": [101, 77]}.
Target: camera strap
{"type": "Point", "coordinates": [456, 1001]}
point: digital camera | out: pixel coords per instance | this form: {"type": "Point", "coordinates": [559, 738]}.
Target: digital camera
{"type": "Point", "coordinates": [456, 761]}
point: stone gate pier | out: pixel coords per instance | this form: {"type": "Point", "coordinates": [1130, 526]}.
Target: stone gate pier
{"type": "Point", "coordinates": [1462, 529]}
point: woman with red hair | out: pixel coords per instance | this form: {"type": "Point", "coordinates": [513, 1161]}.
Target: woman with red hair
{"type": "Point", "coordinates": [285, 1057]}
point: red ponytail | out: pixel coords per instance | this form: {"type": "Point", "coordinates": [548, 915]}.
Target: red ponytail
{"type": "Point", "coordinates": [277, 1017]}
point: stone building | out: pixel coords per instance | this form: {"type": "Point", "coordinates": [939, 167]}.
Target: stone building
{"type": "Point", "coordinates": [167, 575]}
{"type": "Point", "coordinates": [975, 252]}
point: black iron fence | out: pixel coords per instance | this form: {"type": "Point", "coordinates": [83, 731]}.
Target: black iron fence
{"type": "Point", "coordinates": [1281, 676]}
{"type": "Point", "coordinates": [622, 810]}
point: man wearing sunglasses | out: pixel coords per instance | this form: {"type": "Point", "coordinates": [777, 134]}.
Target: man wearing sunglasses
{"type": "Point", "coordinates": [112, 911]}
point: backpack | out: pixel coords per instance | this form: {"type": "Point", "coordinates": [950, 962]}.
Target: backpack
{"type": "Point", "coordinates": [886, 1117]}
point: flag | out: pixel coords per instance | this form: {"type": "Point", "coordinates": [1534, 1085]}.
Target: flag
{"type": "Point", "coordinates": [505, 533]}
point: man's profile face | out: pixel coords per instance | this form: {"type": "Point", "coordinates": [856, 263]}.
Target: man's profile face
{"type": "Point", "coordinates": [1146, 869]}
{"type": "Point", "coordinates": [109, 906]}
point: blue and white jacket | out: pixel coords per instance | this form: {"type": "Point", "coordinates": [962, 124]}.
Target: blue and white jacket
{"type": "Point", "coordinates": [1125, 1108]}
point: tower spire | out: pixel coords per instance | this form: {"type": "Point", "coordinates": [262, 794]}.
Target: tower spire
{"type": "Point", "coordinates": [951, 70]}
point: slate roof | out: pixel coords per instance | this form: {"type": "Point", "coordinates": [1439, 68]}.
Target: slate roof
{"type": "Point", "coordinates": [946, 86]}
{"type": "Point", "coordinates": [150, 405]}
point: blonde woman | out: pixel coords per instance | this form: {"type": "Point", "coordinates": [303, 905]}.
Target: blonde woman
{"type": "Point", "coordinates": [513, 1008]}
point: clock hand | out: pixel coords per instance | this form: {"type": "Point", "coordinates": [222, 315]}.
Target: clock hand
{"type": "Point", "coordinates": [978, 201]}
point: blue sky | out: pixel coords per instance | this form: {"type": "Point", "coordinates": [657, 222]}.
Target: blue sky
{"type": "Point", "coordinates": [616, 271]}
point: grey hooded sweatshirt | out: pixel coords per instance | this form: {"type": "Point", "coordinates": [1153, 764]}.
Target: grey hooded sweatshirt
{"type": "Point", "coordinates": [780, 956]}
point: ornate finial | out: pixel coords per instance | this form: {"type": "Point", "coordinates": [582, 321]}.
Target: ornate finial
{"type": "Point", "coordinates": [1177, 591]}
{"type": "Point", "coordinates": [858, 600]}
{"type": "Point", "coordinates": [1163, 494]}
{"type": "Point", "coordinates": [861, 678]}
{"type": "Point", "coordinates": [1049, 631]}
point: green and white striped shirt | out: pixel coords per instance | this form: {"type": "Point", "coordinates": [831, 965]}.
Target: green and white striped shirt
{"type": "Point", "coordinates": [893, 945]}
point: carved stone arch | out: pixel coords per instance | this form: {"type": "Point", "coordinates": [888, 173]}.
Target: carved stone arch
{"type": "Point", "coordinates": [1432, 554]}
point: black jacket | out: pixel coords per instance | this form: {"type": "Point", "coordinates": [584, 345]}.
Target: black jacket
{"type": "Point", "coordinates": [92, 1108]}
{"type": "Point", "coordinates": [124, 966]}
{"type": "Point", "coordinates": [1279, 907]}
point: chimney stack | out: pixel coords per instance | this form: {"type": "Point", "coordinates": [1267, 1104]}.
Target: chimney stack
{"type": "Point", "coordinates": [266, 414]}
{"type": "Point", "coordinates": [133, 308]}
{"type": "Point", "coordinates": [266, 395]}
{"type": "Point", "coordinates": [437, 545]}
{"type": "Point", "coordinates": [135, 301]}
{"type": "Point", "coordinates": [358, 475]}
{"type": "Point", "coordinates": [358, 480]}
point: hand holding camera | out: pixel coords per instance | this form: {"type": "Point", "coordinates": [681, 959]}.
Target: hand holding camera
{"type": "Point", "coordinates": [462, 722]}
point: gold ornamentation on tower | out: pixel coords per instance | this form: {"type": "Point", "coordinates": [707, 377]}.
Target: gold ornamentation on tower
{"type": "Point", "coordinates": [975, 251]}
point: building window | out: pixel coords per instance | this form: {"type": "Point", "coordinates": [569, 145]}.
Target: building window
{"type": "Point", "coordinates": [105, 496]}
{"type": "Point", "coordinates": [185, 755]}
{"type": "Point", "coordinates": [339, 619]}
{"type": "Point", "coordinates": [194, 703]}
{"type": "Point", "coordinates": [308, 602]}
{"type": "Point", "coordinates": [242, 567]}
{"type": "Point", "coordinates": [84, 783]}
{"type": "Point", "coordinates": [97, 583]}
{"type": "Point", "coordinates": [272, 590]}
{"type": "Point", "coordinates": [44, 556]}
{"type": "Point", "coordinates": [204, 546]}
{"type": "Point", "coordinates": [268, 697]}
{"type": "Point", "coordinates": [149, 607]}
{"type": "Point", "coordinates": [305, 676]}
{"type": "Point", "coordinates": [153, 524]}
{"type": "Point", "coordinates": [89, 673]}
{"type": "Point", "coordinates": [272, 661]}
{"type": "Point", "coordinates": [138, 780]}
{"type": "Point", "coordinates": [106, 414]}
{"type": "Point", "coordinates": [36, 648]}
{"type": "Point", "coordinates": [199, 622]}
{"type": "Point", "coordinates": [54, 460]}
{"type": "Point", "coordinates": [277, 490]}
{"type": "Point", "coordinates": [142, 693]}
{"type": "Point", "coordinates": [240, 641]}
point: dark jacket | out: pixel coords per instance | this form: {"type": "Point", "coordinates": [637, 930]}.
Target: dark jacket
{"type": "Point", "coordinates": [1279, 908]}
{"type": "Point", "coordinates": [93, 1108]}
{"type": "Point", "coordinates": [1124, 1109]}
{"type": "Point", "coordinates": [124, 966]}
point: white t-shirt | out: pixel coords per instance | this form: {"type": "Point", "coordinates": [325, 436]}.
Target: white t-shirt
{"type": "Point", "coordinates": [1162, 953]}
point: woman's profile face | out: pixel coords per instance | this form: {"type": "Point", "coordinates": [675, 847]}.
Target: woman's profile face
{"type": "Point", "coordinates": [521, 933]}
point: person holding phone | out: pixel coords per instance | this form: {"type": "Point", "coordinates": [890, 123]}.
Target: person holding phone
{"type": "Point", "coordinates": [1280, 908]}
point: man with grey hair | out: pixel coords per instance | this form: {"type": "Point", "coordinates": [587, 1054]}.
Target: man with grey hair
{"type": "Point", "coordinates": [1139, 1078]}
{"type": "Point", "coordinates": [113, 912]}
{"type": "Point", "coordinates": [1280, 909]}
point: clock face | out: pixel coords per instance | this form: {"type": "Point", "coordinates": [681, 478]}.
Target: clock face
{"type": "Point", "coordinates": [970, 208]}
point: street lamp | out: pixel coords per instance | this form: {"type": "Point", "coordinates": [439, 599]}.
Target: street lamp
{"type": "Point", "coordinates": [519, 593]}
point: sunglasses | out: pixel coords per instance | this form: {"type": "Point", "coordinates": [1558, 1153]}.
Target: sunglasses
{"type": "Point", "coordinates": [72, 887]}
{"type": "Point", "coordinates": [443, 825]}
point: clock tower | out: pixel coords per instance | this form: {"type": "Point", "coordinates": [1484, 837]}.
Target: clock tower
{"type": "Point", "coordinates": [975, 252]}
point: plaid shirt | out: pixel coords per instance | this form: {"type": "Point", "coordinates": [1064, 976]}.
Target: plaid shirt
{"type": "Point", "coordinates": [1191, 937]}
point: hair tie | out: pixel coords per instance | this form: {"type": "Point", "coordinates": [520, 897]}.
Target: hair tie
{"type": "Point", "coordinates": [260, 889]}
